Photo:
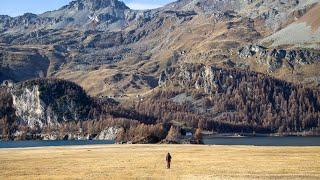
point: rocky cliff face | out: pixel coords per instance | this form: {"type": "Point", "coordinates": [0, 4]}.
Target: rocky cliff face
{"type": "Point", "coordinates": [200, 77]}
{"type": "Point", "coordinates": [41, 103]}
{"type": "Point", "coordinates": [277, 58]}
{"type": "Point", "coordinates": [31, 109]}
{"type": "Point", "coordinates": [108, 134]}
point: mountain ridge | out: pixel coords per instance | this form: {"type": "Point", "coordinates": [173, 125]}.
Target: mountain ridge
{"type": "Point", "coordinates": [192, 64]}
{"type": "Point", "coordinates": [148, 40]}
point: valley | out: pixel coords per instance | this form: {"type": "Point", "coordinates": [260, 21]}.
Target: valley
{"type": "Point", "coordinates": [96, 68]}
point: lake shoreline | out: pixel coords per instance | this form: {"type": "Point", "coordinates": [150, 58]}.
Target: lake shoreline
{"type": "Point", "coordinates": [207, 140]}
{"type": "Point", "coordinates": [206, 134]}
{"type": "Point", "coordinates": [237, 135]}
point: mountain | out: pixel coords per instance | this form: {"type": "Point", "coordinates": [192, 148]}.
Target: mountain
{"type": "Point", "coordinates": [123, 51]}
{"type": "Point", "coordinates": [305, 30]}
{"type": "Point", "coordinates": [78, 14]}
{"type": "Point", "coordinates": [133, 56]}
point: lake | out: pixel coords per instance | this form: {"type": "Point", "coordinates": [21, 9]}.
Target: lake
{"type": "Point", "coordinates": [253, 141]}
{"type": "Point", "coordinates": [25, 144]}
{"type": "Point", "coordinates": [264, 141]}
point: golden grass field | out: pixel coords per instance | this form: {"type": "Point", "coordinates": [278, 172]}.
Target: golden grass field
{"type": "Point", "coordinates": [148, 162]}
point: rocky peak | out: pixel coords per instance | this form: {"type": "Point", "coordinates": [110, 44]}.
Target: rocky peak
{"type": "Point", "coordinates": [97, 4]}
{"type": "Point", "coordinates": [29, 16]}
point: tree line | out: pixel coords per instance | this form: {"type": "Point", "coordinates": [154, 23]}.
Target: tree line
{"type": "Point", "coordinates": [241, 102]}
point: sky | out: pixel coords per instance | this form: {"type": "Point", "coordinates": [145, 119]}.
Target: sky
{"type": "Point", "coordinates": [19, 7]}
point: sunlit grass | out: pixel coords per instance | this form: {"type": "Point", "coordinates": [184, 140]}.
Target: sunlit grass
{"type": "Point", "coordinates": [148, 162]}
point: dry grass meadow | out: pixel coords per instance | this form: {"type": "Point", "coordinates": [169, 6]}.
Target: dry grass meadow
{"type": "Point", "coordinates": [148, 162]}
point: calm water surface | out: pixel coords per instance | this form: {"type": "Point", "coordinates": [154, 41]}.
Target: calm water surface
{"type": "Point", "coordinates": [253, 141]}
{"type": "Point", "coordinates": [24, 144]}
{"type": "Point", "coordinates": [264, 141]}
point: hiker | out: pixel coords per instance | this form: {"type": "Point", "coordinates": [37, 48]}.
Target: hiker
{"type": "Point", "coordinates": [168, 159]}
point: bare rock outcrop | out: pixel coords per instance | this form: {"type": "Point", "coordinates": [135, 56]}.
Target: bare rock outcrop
{"type": "Point", "coordinates": [42, 102]}
{"type": "Point", "coordinates": [109, 133]}
{"type": "Point", "coordinates": [277, 58]}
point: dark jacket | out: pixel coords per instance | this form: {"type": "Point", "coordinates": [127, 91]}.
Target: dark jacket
{"type": "Point", "coordinates": [168, 157]}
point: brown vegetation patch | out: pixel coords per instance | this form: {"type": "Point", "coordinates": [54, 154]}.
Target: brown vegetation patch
{"type": "Point", "coordinates": [312, 18]}
{"type": "Point", "coordinates": [148, 162]}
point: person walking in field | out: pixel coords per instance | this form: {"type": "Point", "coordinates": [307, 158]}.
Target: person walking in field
{"type": "Point", "coordinates": [168, 159]}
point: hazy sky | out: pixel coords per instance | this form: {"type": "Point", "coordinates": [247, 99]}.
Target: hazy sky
{"type": "Point", "coordinates": [19, 7]}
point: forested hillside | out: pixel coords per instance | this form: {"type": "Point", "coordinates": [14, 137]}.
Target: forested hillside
{"type": "Point", "coordinates": [191, 98]}
{"type": "Point", "coordinates": [231, 100]}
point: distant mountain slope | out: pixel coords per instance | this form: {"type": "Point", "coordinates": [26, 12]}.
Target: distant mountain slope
{"type": "Point", "coordinates": [231, 100]}
{"type": "Point", "coordinates": [304, 32]}
{"type": "Point", "coordinates": [111, 50]}
{"type": "Point", "coordinates": [79, 14]}
{"type": "Point", "coordinates": [86, 14]}
{"type": "Point", "coordinates": [218, 65]}
{"type": "Point", "coordinates": [190, 98]}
